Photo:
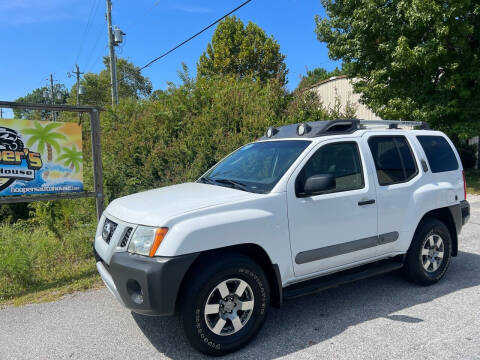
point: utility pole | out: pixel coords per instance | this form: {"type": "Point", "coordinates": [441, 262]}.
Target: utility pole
{"type": "Point", "coordinates": [113, 60]}
{"type": "Point", "coordinates": [1, 113]}
{"type": "Point", "coordinates": [51, 97]}
{"type": "Point", "coordinates": [78, 73]}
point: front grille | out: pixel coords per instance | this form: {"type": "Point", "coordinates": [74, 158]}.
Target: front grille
{"type": "Point", "coordinates": [108, 230]}
{"type": "Point", "coordinates": [126, 236]}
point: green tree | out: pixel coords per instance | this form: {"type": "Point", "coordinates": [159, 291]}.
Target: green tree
{"type": "Point", "coordinates": [131, 84]}
{"type": "Point", "coordinates": [316, 75]}
{"type": "Point", "coordinates": [242, 51]}
{"type": "Point", "coordinates": [37, 97]}
{"type": "Point", "coordinates": [72, 158]}
{"type": "Point", "coordinates": [418, 59]}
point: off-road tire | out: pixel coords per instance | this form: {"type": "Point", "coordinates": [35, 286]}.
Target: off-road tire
{"type": "Point", "coordinates": [414, 262]}
{"type": "Point", "coordinates": [208, 275]}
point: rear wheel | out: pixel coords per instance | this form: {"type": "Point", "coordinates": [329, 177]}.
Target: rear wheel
{"type": "Point", "coordinates": [225, 304]}
{"type": "Point", "coordinates": [430, 253]}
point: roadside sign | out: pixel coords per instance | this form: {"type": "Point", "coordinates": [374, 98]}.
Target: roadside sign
{"type": "Point", "coordinates": [40, 157]}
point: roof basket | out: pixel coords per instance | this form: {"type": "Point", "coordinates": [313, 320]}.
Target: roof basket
{"type": "Point", "coordinates": [337, 127]}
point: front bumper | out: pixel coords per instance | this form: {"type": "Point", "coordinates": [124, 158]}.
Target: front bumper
{"type": "Point", "coordinates": [145, 285]}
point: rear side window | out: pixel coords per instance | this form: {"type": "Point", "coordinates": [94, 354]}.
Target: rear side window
{"type": "Point", "coordinates": [439, 153]}
{"type": "Point", "coordinates": [394, 160]}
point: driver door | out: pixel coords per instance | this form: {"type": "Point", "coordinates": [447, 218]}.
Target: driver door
{"type": "Point", "coordinates": [337, 227]}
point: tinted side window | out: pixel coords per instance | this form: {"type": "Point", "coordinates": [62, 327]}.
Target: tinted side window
{"type": "Point", "coordinates": [407, 156]}
{"type": "Point", "coordinates": [393, 159]}
{"type": "Point", "coordinates": [439, 153]}
{"type": "Point", "coordinates": [339, 159]}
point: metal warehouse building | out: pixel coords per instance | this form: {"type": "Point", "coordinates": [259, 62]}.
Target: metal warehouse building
{"type": "Point", "coordinates": [340, 87]}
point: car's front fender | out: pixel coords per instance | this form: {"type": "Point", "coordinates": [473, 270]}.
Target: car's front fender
{"type": "Point", "coordinates": [262, 221]}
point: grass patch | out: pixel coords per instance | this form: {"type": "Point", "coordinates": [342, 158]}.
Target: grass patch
{"type": "Point", "coordinates": [473, 181]}
{"type": "Point", "coordinates": [38, 264]}
{"type": "Point", "coordinates": [55, 292]}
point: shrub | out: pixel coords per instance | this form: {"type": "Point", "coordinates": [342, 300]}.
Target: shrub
{"type": "Point", "coordinates": [15, 261]}
{"type": "Point", "coordinates": [189, 128]}
{"type": "Point", "coordinates": [467, 155]}
{"type": "Point", "coordinates": [33, 258]}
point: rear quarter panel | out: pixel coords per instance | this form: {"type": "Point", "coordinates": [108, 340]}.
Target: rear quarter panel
{"type": "Point", "coordinates": [429, 192]}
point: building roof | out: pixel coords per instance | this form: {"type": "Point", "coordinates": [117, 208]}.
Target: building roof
{"type": "Point", "coordinates": [321, 82]}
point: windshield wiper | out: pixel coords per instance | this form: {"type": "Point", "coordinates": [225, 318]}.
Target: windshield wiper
{"type": "Point", "coordinates": [235, 184]}
{"type": "Point", "coordinates": [206, 180]}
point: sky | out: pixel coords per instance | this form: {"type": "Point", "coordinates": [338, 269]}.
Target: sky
{"type": "Point", "coordinates": [40, 37]}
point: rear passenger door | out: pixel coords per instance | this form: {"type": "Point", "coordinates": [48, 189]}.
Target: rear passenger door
{"type": "Point", "coordinates": [397, 174]}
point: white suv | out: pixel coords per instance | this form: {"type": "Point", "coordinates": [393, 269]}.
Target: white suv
{"type": "Point", "coordinates": [304, 208]}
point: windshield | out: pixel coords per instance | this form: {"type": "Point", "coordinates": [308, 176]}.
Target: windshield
{"type": "Point", "coordinates": [256, 167]}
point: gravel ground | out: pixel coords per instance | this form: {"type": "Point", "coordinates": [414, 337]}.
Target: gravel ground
{"type": "Point", "coordinates": [379, 318]}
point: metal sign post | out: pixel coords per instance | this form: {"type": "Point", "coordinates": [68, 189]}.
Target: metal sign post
{"type": "Point", "coordinates": [97, 192]}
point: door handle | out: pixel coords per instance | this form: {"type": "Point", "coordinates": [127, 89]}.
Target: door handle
{"type": "Point", "coordinates": [366, 202]}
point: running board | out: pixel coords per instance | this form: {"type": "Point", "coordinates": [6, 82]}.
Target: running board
{"type": "Point", "coordinates": [344, 277]}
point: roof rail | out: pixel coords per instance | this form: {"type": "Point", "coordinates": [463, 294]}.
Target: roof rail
{"type": "Point", "coordinates": [394, 124]}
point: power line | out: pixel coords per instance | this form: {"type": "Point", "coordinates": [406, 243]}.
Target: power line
{"type": "Point", "coordinates": [93, 53]}
{"type": "Point", "coordinates": [193, 36]}
{"type": "Point", "coordinates": [91, 17]}
{"type": "Point", "coordinates": [187, 40]}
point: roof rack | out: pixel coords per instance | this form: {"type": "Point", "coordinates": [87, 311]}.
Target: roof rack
{"type": "Point", "coordinates": [335, 127]}
{"type": "Point", "coordinates": [394, 124]}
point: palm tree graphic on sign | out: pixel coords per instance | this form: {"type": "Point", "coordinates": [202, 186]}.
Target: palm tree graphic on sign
{"type": "Point", "coordinates": [44, 136]}
{"type": "Point", "coordinates": [71, 157]}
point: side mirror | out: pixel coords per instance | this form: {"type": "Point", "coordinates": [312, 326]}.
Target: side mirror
{"type": "Point", "coordinates": [318, 184]}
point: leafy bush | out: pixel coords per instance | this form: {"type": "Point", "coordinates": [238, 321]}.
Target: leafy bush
{"type": "Point", "coordinates": [10, 213]}
{"type": "Point", "coordinates": [185, 131]}
{"type": "Point", "coordinates": [468, 155]}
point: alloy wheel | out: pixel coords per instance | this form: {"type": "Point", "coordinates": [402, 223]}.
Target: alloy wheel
{"type": "Point", "coordinates": [229, 307]}
{"type": "Point", "coordinates": [432, 254]}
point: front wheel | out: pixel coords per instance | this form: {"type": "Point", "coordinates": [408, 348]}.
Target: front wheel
{"type": "Point", "coordinates": [430, 253]}
{"type": "Point", "coordinates": [225, 304]}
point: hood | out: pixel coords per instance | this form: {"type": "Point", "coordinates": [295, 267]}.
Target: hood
{"type": "Point", "coordinates": [154, 207]}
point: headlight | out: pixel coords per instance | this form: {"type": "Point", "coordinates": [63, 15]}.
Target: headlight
{"type": "Point", "coordinates": [146, 240]}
